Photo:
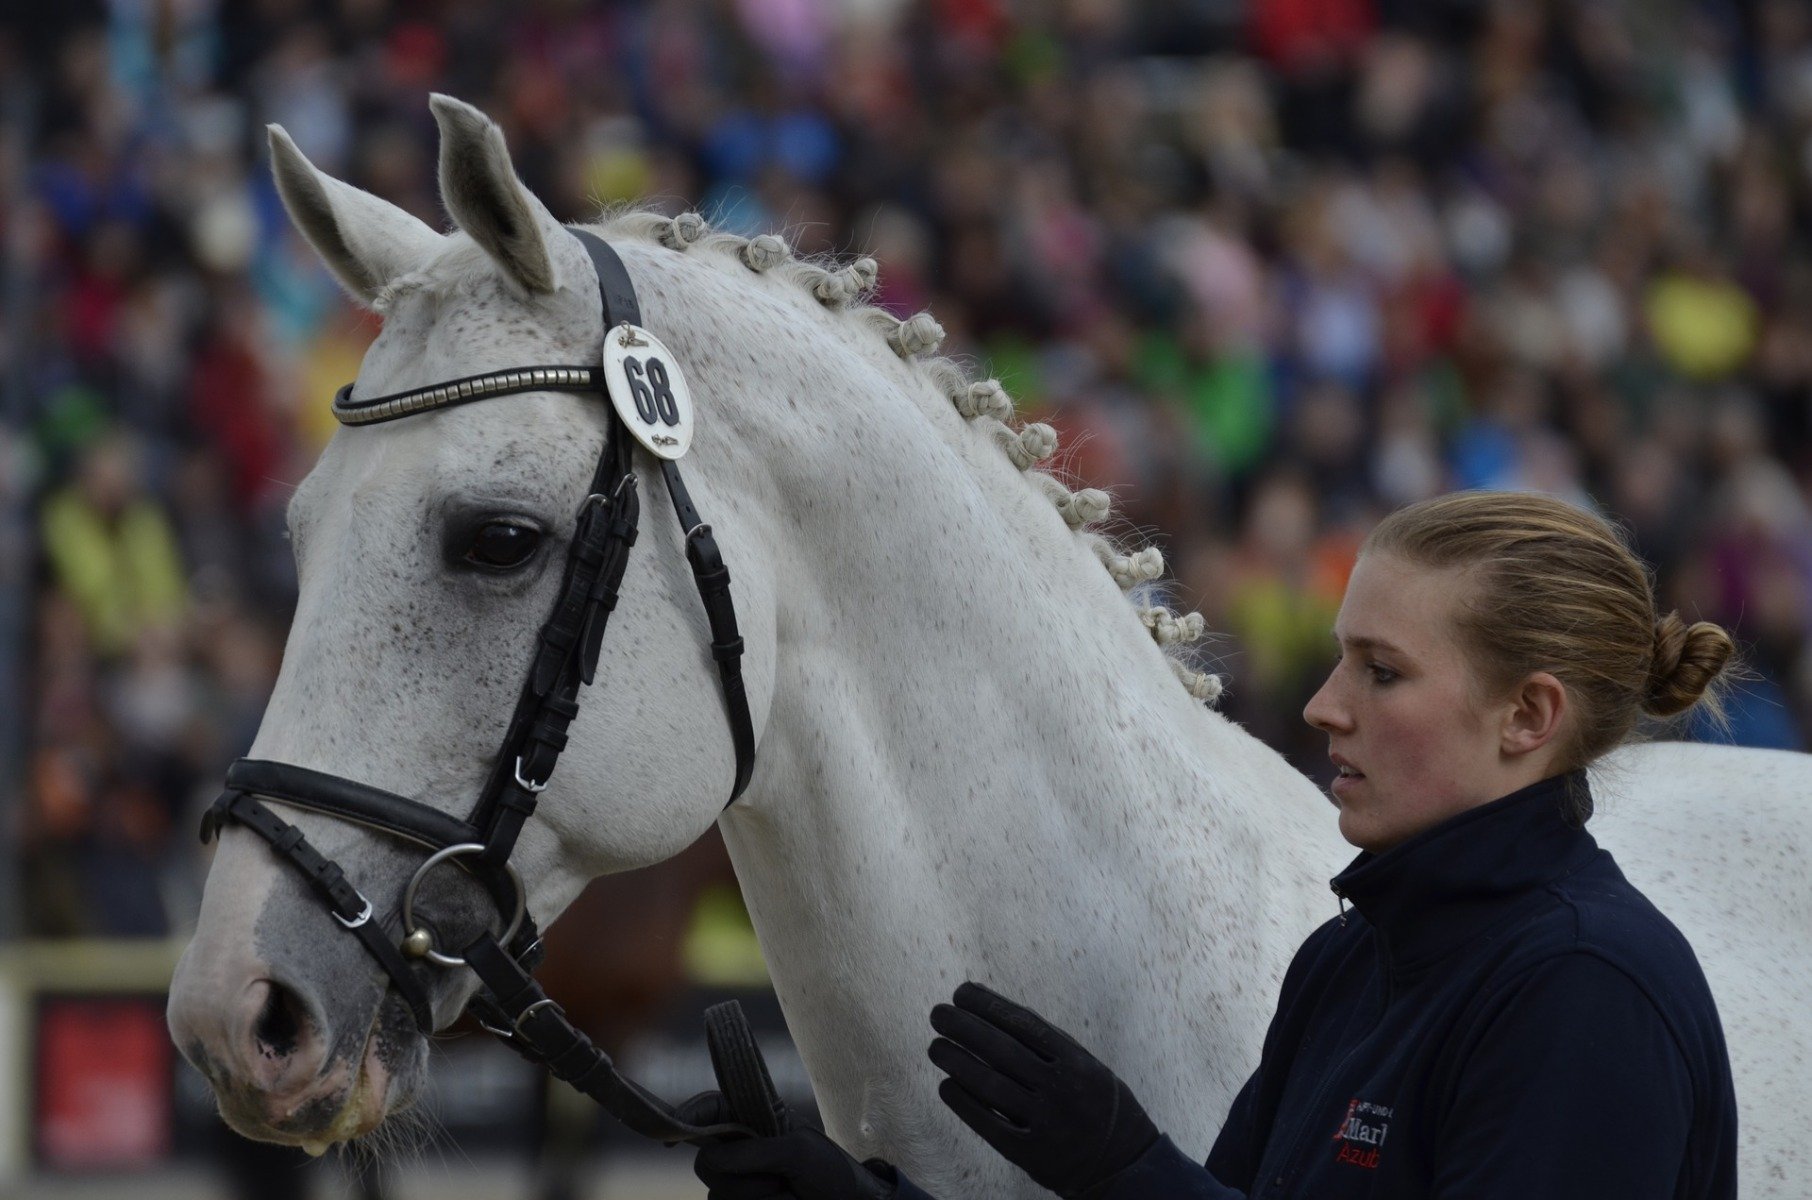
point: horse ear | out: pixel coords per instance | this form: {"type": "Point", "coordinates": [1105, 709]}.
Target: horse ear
{"type": "Point", "coordinates": [364, 240]}
{"type": "Point", "coordinates": [479, 187]}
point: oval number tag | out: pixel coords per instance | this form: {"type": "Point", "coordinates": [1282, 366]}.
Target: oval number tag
{"type": "Point", "coordinates": [648, 390]}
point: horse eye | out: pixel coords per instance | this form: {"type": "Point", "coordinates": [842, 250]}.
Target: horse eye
{"type": "Point", "coordinates": [502, 544]}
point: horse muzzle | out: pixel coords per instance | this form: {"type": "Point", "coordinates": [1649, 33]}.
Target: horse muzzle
{"type": "Point", "coordinates": [279, 1071]}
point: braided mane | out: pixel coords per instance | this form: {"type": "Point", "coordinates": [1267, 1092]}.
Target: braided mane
{"type": "Point", "coordinates": [983, 402]}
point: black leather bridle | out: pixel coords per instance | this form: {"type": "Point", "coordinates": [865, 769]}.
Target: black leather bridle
{"type": "Point", "coordinates": [510, 1003]}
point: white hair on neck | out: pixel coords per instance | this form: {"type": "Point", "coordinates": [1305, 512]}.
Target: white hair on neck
{"type": "Point", "coordinates": [985, 398]}
{"type": "Point", "coordinates": [915, 336]}
{"type": "Point", "coordinates": [765, 252]}
{"type": "Point", "coordinates": [1030, 445]}
{"type": "Point", "coordinates": [1143, 566]}
{"type": "Point", "coordinates": [1167, 628]}
{"type": "Point", "coordinates": [1203, 686]}
{"type": "Point", "coordinates": [984, 403]}
{"type": "Point", "coordinates": [840, 289]}
{"type": "Point", "coordinates": [386, 297]}
{"type": "Point", "coordinates": [682, 231]}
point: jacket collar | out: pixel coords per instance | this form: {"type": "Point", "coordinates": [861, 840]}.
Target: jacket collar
{"type": "Point", "coordinates": [1450, 883]}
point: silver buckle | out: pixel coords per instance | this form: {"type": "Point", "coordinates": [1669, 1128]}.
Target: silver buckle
{"type": "Point", "coordinates": [600, 498]}
{"type": "Point", "coordinates": [358, 920]}
{"type": "Point", "coordinates": [527, 785]}
{"type": "Point", "coordinates": [441, 856]}
{"type": "Point", "coordinates": [529, 1011]}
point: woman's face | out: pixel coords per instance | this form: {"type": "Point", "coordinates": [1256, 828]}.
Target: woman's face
{"type": "Point", "coordinates": [1402, 711]}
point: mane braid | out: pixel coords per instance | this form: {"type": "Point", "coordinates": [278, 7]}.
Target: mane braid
{"type": "Point", "coordinates": [982, 402]}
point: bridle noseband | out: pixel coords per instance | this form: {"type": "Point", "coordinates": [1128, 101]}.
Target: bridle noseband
{"type": "Point", "coordinates": [649, 404]}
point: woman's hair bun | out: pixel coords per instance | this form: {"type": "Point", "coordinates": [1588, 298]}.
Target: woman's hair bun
{"type": "Point", "coordinates": [1687, 659]}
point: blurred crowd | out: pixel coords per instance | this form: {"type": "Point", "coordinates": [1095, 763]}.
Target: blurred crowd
{"type": "Point", "coordinates": [1272, 268]}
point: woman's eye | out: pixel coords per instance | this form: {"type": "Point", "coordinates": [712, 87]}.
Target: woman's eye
{"type": "Point", "coordinates": [1382, 674]}
{"type": "Point", "coordinates": [503, 544]}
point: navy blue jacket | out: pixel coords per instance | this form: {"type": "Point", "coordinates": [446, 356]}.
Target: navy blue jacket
{"type": "Point", "coordinates": [1501, 1015]}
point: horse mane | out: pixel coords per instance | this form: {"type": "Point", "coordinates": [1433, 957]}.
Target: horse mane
{"type": "Point", "coordinates": [846, 289]}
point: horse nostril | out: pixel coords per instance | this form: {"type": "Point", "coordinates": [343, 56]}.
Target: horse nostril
{"type": "Point", "coordinates": [279, 1024]}
{"type": "Point", "coordinates": [281, 1043]}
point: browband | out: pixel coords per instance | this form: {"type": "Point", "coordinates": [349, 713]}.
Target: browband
{"type": "Point", "coordinates": [464, 391]}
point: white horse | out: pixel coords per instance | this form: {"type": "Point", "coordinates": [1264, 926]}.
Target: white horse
{"type": "Point", "coordinates": [975, 761]}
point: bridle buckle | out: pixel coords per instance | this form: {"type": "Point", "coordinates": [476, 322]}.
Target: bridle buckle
{"type": "Point", "coordinates": [628, 481]}
{"type": "Point", "coordinates": [527, 785]}
{"type": "Point", "coordinates": [359, 920]}
{"type": "Point", "coordinates": [525, 1014]}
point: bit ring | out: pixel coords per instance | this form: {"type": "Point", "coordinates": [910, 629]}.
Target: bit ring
{"type": "Point", "coordinates": [452, 852]}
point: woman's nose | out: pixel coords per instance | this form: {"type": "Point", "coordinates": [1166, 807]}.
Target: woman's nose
{"type": "Point", "coordinates": [1323, 710]}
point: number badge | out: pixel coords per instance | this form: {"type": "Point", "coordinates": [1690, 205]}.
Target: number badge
{"type": "Point", "coordinates": [648, 390]}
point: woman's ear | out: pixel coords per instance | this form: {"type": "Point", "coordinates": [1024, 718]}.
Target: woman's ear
{"type": "Point", "coordinates": [1535, 717]}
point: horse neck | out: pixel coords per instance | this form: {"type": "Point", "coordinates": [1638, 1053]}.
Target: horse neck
{"type": "Point", "coordinates": [977, 765]}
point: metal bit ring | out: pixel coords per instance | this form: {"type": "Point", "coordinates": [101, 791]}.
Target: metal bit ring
{"type": "Point", "coordinates": [434, 860]}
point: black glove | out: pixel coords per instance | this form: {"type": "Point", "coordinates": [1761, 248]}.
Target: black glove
{"type": "Point", "coordinates": [801, 1164]}
{"type": "Point", "coordinates": [1032, 1093]}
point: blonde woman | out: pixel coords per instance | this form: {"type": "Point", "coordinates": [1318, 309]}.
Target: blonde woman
{"type": "Point", "coordinates": [1500, 1013]}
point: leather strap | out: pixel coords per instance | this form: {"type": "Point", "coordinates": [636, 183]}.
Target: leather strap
{"type": "Point", "coordinates": [350, 800]}
{"type": "Point", "coordinates": [614, 288]}
{"type": "Point", "coordinates": [713, 580]}
{"type": "Point", "coordinates": [566, 655]}
{"type": "Point", "coordinates": [519, 1011]}
{"type": "Point", "coordinates": [349, 905]}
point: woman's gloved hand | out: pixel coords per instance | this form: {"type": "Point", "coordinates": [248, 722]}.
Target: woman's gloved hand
{"type": "Point", "coordinates": [1049, 1106]}
{"type": "Point", "coordinates": [801, 1164]}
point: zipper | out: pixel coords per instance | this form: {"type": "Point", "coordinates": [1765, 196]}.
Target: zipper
{"type": "Point", "coordinates": [1285, 1166]}
{"type": "Point", "coordinates": [1334, 886]}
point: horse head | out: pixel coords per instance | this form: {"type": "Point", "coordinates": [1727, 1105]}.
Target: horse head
{"type": "Point", "coordinates": [430, 551]}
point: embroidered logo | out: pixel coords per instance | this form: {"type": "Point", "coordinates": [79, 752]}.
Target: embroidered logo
{"type": "Point", "coordinates": [1361, 1133]}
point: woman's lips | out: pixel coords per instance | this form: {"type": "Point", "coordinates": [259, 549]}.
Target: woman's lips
{"type": "Point", "coordinates": [1343, 784]}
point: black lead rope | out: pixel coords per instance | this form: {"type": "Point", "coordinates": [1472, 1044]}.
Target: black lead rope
{"type": "Point", "coordinates": [511, 1004]}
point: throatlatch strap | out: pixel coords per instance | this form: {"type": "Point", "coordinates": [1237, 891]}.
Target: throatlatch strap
{"type": "Point", "coordinates": [713, 580]}
{"type": "Point", "coordinates": [350, 906]}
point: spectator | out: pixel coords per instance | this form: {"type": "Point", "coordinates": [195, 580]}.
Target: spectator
{"type": "Point", "coordinates": [1272, 272]}
{"type": "Point", "coordinates": [111, 550]}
